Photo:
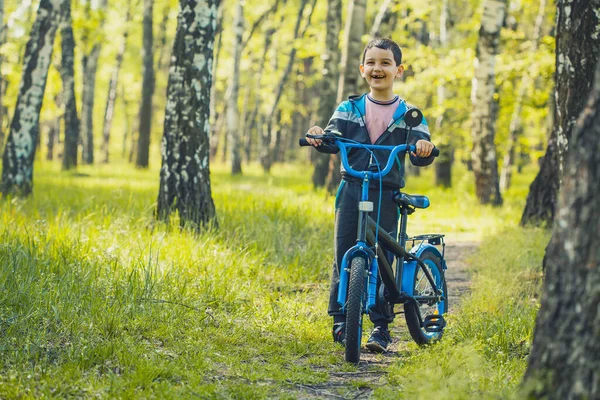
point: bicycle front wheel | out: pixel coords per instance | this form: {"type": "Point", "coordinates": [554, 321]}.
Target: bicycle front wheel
{"type": "Point", "coordinates": [429, 327]}
{"type": "Point", "coordinates": [354, 309]}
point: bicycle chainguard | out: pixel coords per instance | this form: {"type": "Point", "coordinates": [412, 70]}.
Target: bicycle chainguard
{"type": "Point", "coordinates": [434, 323]}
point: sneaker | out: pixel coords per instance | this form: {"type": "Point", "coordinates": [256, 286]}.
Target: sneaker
{"type": "Point", "coordinates": [339, 333]}
{"type": "Point", "coordinates": [380, 340]}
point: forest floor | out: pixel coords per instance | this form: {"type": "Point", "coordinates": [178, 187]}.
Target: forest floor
{"type": "Point", "coordinates": [372, 369]}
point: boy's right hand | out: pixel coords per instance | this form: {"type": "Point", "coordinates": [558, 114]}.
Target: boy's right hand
{"type": "Point", "coordinates": [315, 130]}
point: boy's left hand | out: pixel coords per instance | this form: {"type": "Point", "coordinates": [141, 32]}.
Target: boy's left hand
{"type": "Point", "coordinates": [424, 148]}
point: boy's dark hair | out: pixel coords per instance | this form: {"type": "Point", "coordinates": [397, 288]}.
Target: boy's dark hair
{"type": "Point", "coordinates": [384, 44]}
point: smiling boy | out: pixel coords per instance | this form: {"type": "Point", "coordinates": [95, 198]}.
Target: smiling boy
{"type": "Point", "coordinates": [376, 117]}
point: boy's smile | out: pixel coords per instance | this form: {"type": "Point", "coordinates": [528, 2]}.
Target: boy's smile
{"type": "Point", "coordinates": [380, 70]}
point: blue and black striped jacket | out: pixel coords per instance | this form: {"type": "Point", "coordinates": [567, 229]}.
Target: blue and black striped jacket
{"type": "Point", "coordinates": [348, 120]}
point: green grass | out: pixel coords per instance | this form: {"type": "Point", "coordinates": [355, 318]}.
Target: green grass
{"type": "Point", "coordinates": [97, 299]}
{"type": "Point", "coordinates": [485, 347]}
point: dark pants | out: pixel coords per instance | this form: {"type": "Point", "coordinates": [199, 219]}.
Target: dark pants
{"type": "Point", "coordinates": [346, 228]}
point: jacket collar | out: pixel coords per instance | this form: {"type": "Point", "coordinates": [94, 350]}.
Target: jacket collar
{"type": "Point", "coordinates": [360, 102]}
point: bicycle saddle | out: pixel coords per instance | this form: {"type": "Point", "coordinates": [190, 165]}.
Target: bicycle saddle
{"type": "Point", "coordinates": [415, 201]}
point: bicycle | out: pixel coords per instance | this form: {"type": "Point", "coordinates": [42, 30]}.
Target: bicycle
{"type": "Point", "coordinates": [418, 280]}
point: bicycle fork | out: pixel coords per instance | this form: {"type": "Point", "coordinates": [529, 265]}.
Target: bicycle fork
{"type": "Point", "coordinates": [361, 249]}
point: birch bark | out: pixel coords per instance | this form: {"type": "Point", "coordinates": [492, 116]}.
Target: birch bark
{"type": "Point", "coordinates": [17, 162]}
{"type": "Point", "coordinates": [67, 72]}
{"type": "Point", "coordinates": [564, 362]}
{"type": "Point", "coordinates": [485, 104]}
{"type": "Point", "coordinates": [354, 29]}
{"type": "Point", "coordinates": [577, 53]}
{"type": "Point", "coordinates": [109, 110]}
{"type": "Point", "coordinates": [515, 120]}
{"type": "Point", "coordinates": [233, 115]}
{"type": "Point", "coordinates": [329, 82]}
{"type": "Point", "coordinates": [90, 64]}
{"type": "Point", "coordinates": [185, 174]}
{"type": "Point", "coordinates": [145, 115]}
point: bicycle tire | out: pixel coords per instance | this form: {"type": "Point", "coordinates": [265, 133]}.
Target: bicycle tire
{"type": "Point", "coordinates": [422, 286]}
{"type": "Point", "coordinates": [354, 309]}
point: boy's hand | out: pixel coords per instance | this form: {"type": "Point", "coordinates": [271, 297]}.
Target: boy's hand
{"type": "Point", "coordinates": [315, 130]}
{"type": "Point", "coordinates": [424, 148]}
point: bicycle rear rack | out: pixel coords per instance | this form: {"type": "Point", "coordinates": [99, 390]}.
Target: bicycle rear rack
{"type": "Point", "coordinates": [435, 239]}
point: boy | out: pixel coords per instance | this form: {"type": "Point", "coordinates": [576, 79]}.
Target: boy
{"type": "Point", "coordinates": [373, 118]}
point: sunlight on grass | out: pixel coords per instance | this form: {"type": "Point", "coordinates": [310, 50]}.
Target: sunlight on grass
{"type": "Point", "coordinates": [98, 299]}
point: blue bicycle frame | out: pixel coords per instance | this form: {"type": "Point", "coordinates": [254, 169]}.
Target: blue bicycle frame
{"type": "Point", "coordinates": [365, 206]}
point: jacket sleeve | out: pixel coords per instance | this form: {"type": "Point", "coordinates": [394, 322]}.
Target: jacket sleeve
{"type": "Point", "coordinates": [339, 120]}
{"type": "Point", "coordinates": [420, 132]}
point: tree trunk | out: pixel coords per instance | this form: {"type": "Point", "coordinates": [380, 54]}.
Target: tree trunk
{"type": "Point", "coordinates": [443, 164]}
{"type": "Point", "coordinates": [233, 115]}
{"type": "Point", "coordinates": [353, 46]}
{"type": "Point", "coordinates": [385, 20]}
{"type": "Point", "coordinates": [214, 137]}
{"type": "Point", "coordinates": [162, 47]}
{"type": "Point", "coordinates": [328, 93]}
{"type": "Point", "coordinates": [485, 105]}
{"type": "Point", "coordinates": [128, 130]}
{"type": "Point", "coordinates": [515, 128]}
{"type": "Point", "coordinates": [90, 64]}
{"type": "Point", "coordinates": [564, 362]}
{"type": "Point", "coordinates": [2, 37]}
{"type": "Point", "coordinates": [577, 23]}
{"type": "Point", "coordinates": [67, 72]}
{"type": "Point", "coordinates": [112, 90]}
{"type": "Point", "coordinates": [17, 162]}
{"type": "Point", "coordinates": [269, 136]}
{"type": "Point", "coordinates": [185, 174]}
{"type": "Point", "coordinates": [349, 74]}
{"type": "Point", "coordinates": [145, 116]}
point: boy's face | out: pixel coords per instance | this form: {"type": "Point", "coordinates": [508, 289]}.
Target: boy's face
{"type": "Point", "coordinates": [380, 69]}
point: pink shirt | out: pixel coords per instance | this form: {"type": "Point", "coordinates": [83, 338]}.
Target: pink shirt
{"type": "Point", "coordinates": [379, 115]}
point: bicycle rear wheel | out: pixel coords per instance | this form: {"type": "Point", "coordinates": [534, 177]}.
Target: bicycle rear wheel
{"type": "Point", "coordinates": [354, 309]}
{"type": "Point", "coordinates": [428, 328]}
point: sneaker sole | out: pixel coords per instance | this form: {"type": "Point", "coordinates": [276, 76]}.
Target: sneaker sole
{"type": "Point", "coordinates": [376, 347]}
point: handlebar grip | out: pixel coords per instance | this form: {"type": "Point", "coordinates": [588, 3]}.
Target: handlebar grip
{"type": "Point", "coordinates": [303, 142]}
{"type": "Point", "coordinates": [435, 152]}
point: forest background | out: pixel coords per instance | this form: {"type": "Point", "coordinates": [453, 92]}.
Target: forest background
{"type": "Point", "coordinates": [169, 312]}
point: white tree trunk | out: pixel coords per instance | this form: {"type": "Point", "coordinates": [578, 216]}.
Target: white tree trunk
{"type": "Point", "coordinates": [515, 121]}
{"type": "Point", "coordinates": [185, 173]}
{"type": "Point", "coordinates": [485, 105]}
{"type": "Point", "coordinates": [17, 163]}
{"type": "Point", "coordinates": [233, 114]}
{"type": "Point", "coordinates": [351, 52]}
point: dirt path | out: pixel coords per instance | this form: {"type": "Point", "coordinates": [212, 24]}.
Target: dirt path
{"type": "Point", "coordinates": [372, 370]}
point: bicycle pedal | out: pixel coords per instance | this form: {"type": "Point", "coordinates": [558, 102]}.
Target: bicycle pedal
{"type": "Point", "coordinates": [434, 323]}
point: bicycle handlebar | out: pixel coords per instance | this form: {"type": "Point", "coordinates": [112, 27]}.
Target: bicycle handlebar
{"type": "Point", "coordinates": [333, 140]}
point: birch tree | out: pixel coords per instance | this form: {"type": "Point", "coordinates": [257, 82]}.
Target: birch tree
{"type": "Point", "coordinates": [485, 106]}
{"type": "Point", "coordinates": [564, 362]}
{"type": "Point", "coordinates": [67, 72]}
{"type": "Point", "coordinates": [577, 52]}
{"type": "Point", "coordinates": [17, 162]}
{"type": "Point", "coordinates": [443, 164]}
{"type": "Point", "coordinates": [92, 45]}
{"type": "Point", "coordinates": [185, 175]}
{"type": "Point", "coordinates": [145, 115]}
{"type": "Point", "coordinates": [109, 110]}
{"type": "Point", "coordinates": [515, 121]}
{"type": "Point", "coordinates": [385, 20]}
{"type": "Point", "coordinates": [354, 29]}
{"type": "Point", "coordinates": [1, 80]}
{"type": "Point", "coordinates": [269, 138]}
{"type": "Point", "coordinates": [328, 93]}
{"type": "Point", "coordinates": [233, 115]}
